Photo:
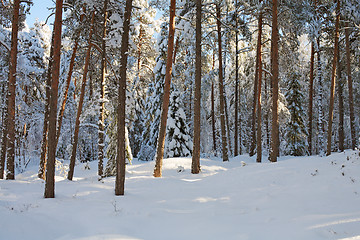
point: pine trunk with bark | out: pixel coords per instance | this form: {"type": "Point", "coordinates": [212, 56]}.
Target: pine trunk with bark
{"type": "Point", "coordinates": [120, 159]}
{"type": "Point", "coordinates": [221, 89]}
{"type": "Point", "coordinates": [50, 166]}
{"type": "Point", "coordinates": [259, 80]}
{"type": "Point", "coordinates": [102, 94]}
{"type": "Point", "coordinates": [195, 167]}
{"type": "Point", "coordinates": [236, 133]}
{"type": "Point", "coordinates": [333, 78]}
{"type": "Point", "coordinates": [274, 151]}
{"type": "Point", "coordinates": [10, 119]}
{"type": "Point", "coordinates": [166, 96]}
{"type": "Point", "coordinates": [81, 101]}
{"type": "Point", "coordinates": [350, 87]}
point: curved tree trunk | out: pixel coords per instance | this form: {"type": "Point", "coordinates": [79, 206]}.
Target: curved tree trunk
{"type": "Point", "coordinates": [68, 80]}
{"type": "Point", "coordinates": [221, 89]}
{"type": "Point", "coordinates": [166, 96]}
{"type": "Point", "coordinates": [81, 101]}
{"type": "Point", "coordinates": [333, 77]}
{"type": "Point", "coordinates": [50, 166]}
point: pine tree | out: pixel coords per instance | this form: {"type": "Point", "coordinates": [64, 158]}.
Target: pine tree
{"type": "Point", "coordinates": [178, 141]}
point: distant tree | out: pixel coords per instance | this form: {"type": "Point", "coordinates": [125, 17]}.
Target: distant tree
{"type": "Point", "coordinates": [333, 77]}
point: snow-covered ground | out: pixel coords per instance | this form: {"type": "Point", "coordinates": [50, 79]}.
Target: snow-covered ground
{"type": "Point", "coordinates": [301, 198]}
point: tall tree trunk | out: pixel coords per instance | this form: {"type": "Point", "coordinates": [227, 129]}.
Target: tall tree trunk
{"type": "Point", "coordinates": [81, 101]}
{"type": "Point", "coordinates": [311, 94]}
{"type": "Point", "coordinates": [350, 87]}
{"type": "Point", "coordinates": [213, 108]}
{"type": "Point", "coordinates": [50, 166]}
{"type": "Point", "coordinates": [166, 96]}
{"type": "Point", "coordinates": [68, 80]}
{"type": "Point", "coordinates": [274, 151]}
{"type": "Point", "coordinates": [44, 143]}
{"type": "Point", "coordinates": [195, 167]}
{"type": "Point", "coordinates": [10, 161]}
{"type": "Point", "coordinates": [221, 89]}
{"type": "Point", "coordinates": [236, 137]}
{"type": "Point", "coordinates": [333, 77]}
{"type": "Point", "coordinates": [340, 91]}
{"type": "Point", "coordinates": [120, 159]}
{"type": "Point", "coordinates": [102, 93]}
{"type": "Point", "coordinates": [259, 80]}
{"type": "Point", "coordinates": [227, 124]}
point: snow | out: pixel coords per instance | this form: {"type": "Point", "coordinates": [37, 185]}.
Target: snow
{"type": "Point", "coordinates": [295, 198]}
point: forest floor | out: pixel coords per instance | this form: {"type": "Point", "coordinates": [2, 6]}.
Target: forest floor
{"type": "Point", "coordinates": [295, 198]}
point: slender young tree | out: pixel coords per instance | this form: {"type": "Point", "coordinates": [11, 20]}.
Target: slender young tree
{"type": "Point", "coordinates": [274, 151]}
{"type": "Point", "coordinates": [311, 94]}
{"type": "Point", "coordinates": [195, 167]}
{"type": "Point", "coordinates": [44, 142]}
{"type": "Point", "coordinates": [120, 159]}
{"type": "Point", "coordinates": [333, 78]}
{"type": "Point", "coordinates": [102, 93]}
{"type": "Point", "coordinates": [166, 97]}
{"type": "Point", "coordinates": [68, 80]}
{"type": "Point", "coordinates": [350, 87]}
{"type": "Point", "coordinates": [10, 141]}
{"type": "Point", "coordinates": [50, 166]}
{"type": "Point", "coordinates": [213, 107]}
{"type": "Point", "coordinates": [340, 93]}
{"type": "Point", "coordinates": [259, 80]}
{"type": "Point", "coordinates": [81, 101]}
{"type": "Point", "coordinates": [221, 88]}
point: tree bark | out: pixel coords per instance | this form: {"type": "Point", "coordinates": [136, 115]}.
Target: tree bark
{"type": "Point", "coordinates": [68, 80]}
{"type": "Point", "coordinates": [195, 167]}
{"type": "Point", "coordinates": [221, 89]}
{"type": "Point", "coordinates": [50, 166]}
{"type": "Point", "coordinates": [311, 93]}
{"type": "Point", "coordinates": [274, 151]}
{"type": "Point", "coordinates": [333, 77]}
{"type": "Point", "coordinates": [120, 159]}
{"type": "Point", "coordinates": [259, 80]}
{"type": "Point", "coordinates": [350, 87]}
{"type": "Point", "coordinates": [10, 161]}
{"type": "Point", "coordinates": [236, 141]}
{"type": "Point", "coordinates": [81, 101]}
{"type": "Point", "coordinates": [166, 97]}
